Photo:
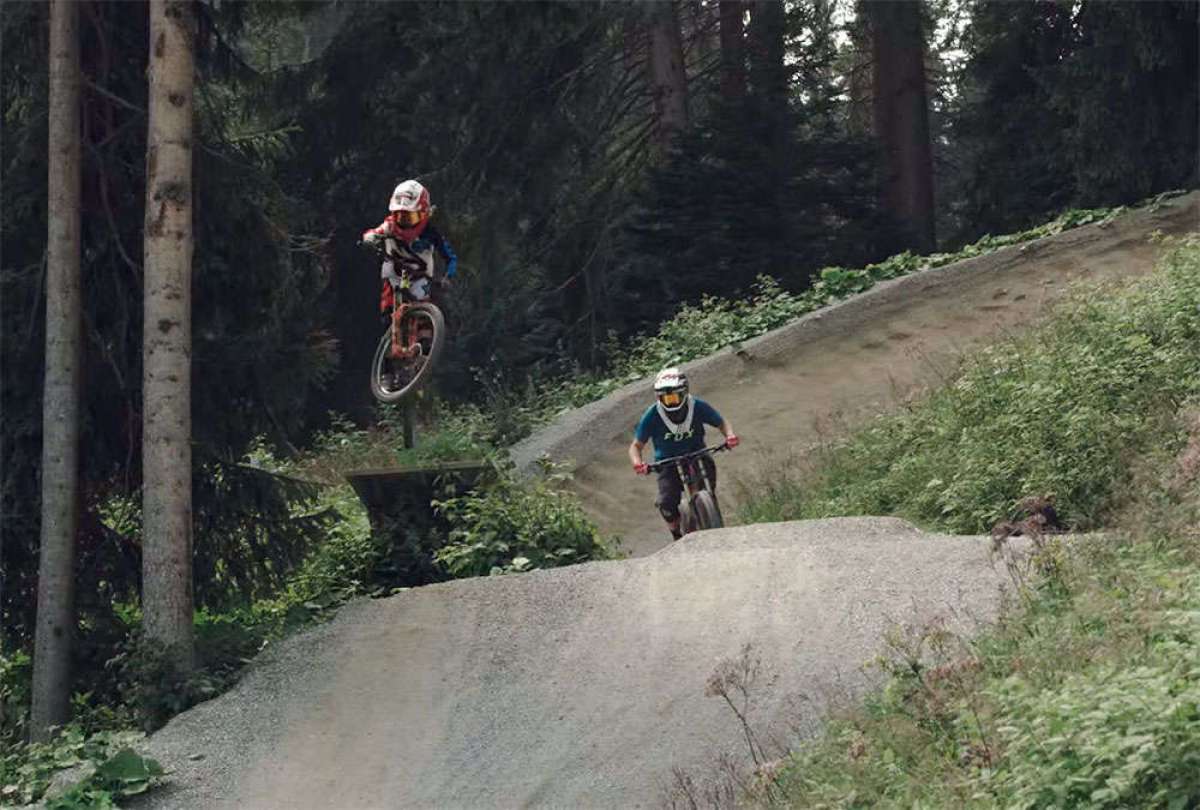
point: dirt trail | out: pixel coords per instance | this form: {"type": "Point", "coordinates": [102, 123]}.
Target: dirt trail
{"type": "Point", "coordinates": [584, 686]}
{"type": "Point", "coordinates": [780, 405]}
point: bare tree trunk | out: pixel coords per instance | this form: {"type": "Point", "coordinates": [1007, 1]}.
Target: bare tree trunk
{"type": "Point", "coordinates": [667, 76]}
{"type": "Point", "coordinates": [733, 50]}
{"type": "Point", "coordinates": [901, 114]}
{"type": "Point", "coordinates": [768, 73]}
{"type": "Point", "coordinates": [61, 395]}
{"type": "Point", "coordinates": [859, 79]}
{"type": "Point", "coordinates": [167, 334]}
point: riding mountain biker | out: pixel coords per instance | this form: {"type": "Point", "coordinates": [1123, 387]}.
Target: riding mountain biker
{"type": "Point", "coordinates": [409, 241]}
{"type": "Point", "coordinates": [675, 423]}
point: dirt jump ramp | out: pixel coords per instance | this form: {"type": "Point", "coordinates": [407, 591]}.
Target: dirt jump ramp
{"type": "Point", "coordinates": [585, 686]}
{"type": "Point", "coordinates": [574, 687]}
{"type": "Point", "coordinates": [841, 364]}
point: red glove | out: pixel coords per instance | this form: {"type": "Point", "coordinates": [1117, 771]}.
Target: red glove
{"type": "Point", "coordinates": [641, 468]}
{"type": "Point", "coordinates": [732, 441]}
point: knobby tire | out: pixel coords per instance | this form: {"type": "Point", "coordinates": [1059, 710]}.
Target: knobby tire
{"type": "Point", "coordinates": [706, 514]}
{"type": "Point", "coordinates": [379, 362]}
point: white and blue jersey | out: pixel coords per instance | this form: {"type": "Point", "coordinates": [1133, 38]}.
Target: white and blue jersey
{"type": "Point", "coordinates": [672, 439]}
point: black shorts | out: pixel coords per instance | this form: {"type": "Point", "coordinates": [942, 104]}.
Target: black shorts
{"type": "Point", "coordinates": [670, 488]}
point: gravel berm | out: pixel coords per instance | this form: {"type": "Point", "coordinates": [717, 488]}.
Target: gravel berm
{"type": "Point", "coordinates": [574, 687]}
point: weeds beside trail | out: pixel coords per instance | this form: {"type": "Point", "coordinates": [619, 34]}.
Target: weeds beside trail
{"type": "Point", "coordinates": [1086, 692]}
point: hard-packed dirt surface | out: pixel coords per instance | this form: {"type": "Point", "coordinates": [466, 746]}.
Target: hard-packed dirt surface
{"type": "Point", "coordinates": [576, 687]}
{"type": "Point", "coordinates": [585, 686]}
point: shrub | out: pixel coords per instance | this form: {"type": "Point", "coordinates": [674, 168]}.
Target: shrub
{"type": "Point", "coordinates": [1111, 736]}
{"type": "Point", "coordinates": [111, 769]}
{"type": "Point", "coordinates": [513, 526]}
{"type": "Point", "coordinates": [16, 673]}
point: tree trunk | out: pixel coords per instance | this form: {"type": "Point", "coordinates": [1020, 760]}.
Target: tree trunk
{"type": "Point", "coordinates": [901, 116]}
{"type": "Point", "coordinates": [61, 395]}
{"type": "Point", "coordinates": [769, 78]}
{"type": "Point", "coordinates": [667, 77]}
{"type": "Point", "coordinates": [768, 73]}
{"type": "Point", "coordinates": [167, 335]}
{"type": "Point", "coordinates": [858, 80]}
{"type": "Point", "coordinates": [733, 51]}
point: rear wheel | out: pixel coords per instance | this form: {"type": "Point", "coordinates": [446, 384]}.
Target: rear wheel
{"type": "Point", "coordinates": [393, 379]}
{"type": "Point", "coordinates": [704, 507]}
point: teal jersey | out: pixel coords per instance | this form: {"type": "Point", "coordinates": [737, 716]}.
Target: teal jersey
{"type": "Point", "coordinates": [668, 444]}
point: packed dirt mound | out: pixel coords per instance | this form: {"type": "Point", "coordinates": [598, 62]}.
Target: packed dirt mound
{"type": "Point", "coordinates": [576, 687]}
{"type": "Point", "coordinates": [846, 362]}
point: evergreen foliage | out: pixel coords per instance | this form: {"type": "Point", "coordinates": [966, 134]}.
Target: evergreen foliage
{"type": "Point", "coordinates": [1093, 103]}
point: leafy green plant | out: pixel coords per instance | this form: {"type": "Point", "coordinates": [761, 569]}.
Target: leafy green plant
{"type": "Point", "coordinates": [16, 671]}
{"type": "Point", "coordinates": [110, 769]}
{"type": "Point", "coordinates": [336, 570]}
{"type": "Point", "coordinates": [125, 773]}
{"type": "Point", "coordinates": [513, 526]}
{"type": "Point", "coordinates": [1116, 735]}
{"type": "Point", "coordinates": [153, 687]}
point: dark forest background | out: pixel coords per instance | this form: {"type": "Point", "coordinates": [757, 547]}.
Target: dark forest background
{"type": "Point", "coordinates": [595, 165]}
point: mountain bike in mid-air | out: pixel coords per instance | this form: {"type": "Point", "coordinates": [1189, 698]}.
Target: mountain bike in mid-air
{"type": "Point", "coordinates": [699, 509]}
{"type": "Point", "coordinates": [415, 338]}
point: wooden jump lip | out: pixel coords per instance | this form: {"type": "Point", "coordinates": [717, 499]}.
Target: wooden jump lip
{"type": "Point", "coordinates": [417, 469]}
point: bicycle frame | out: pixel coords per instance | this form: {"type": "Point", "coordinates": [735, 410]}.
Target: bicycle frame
{"type": "Point", "coordinates": [691, 472]}
{"type": "Point", "coordinates": [403, 348]}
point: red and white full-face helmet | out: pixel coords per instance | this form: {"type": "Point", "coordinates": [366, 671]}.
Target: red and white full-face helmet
{"type": "Point", "coordinates": [671, 388]}
{"type": "Point", "coordinates": [411, 209]}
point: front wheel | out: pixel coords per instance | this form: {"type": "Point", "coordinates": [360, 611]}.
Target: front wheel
{"type": "Point", "coordinates": [394, 379]}
{"type": "Point", "coordinates": [704, 508]}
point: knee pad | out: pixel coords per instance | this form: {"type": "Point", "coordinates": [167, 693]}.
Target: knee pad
{"type": "Point", "coordinates": [670, 515]}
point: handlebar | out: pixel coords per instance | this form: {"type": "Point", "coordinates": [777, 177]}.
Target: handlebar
{"type": "Point", "coordinates": [378, 246]}
{"type": "Point", "coordinates": [658, 465]}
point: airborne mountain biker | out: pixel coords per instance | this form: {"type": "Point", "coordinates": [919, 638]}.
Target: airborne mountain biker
{"type": "Point", "coordinates": [410, 243]}
{"type": "Point", "coordinates": [675, 423]}
{"type": "Point", "coordinates": [408, 240]}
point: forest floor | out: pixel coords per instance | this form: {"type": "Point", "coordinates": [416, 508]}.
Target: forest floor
{"type": "Point", "coordinates": [586, 686]}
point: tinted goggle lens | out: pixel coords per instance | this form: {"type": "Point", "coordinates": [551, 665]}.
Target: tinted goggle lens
{"type": "Point", "coordinates": [409, 217]}
{"type": "Point", "coordinates": [670, 398]}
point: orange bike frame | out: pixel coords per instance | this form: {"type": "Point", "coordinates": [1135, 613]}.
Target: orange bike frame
{"type": "Point", "coordinates": [402, 350]}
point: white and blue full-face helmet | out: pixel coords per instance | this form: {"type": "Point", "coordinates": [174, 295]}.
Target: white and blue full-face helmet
{"type": "Point", "coordinates": [671, 388]}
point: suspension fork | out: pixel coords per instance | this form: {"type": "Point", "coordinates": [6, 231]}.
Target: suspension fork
{"type": "Point", "coordinates": [401, 349]}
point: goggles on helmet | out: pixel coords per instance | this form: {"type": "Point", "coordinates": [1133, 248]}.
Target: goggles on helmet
{"type": "Point", "coordinates": [408, 218]}
{"type": "Point", "coordinates": [671, 399]}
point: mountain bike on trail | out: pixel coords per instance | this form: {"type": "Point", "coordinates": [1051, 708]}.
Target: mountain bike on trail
{"type": "Point", "coordinates": [675, 424]}
{"type": "Point", "coordinates": [415, 327]}
{"type": "Point", "coordinates": [700, 511]}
